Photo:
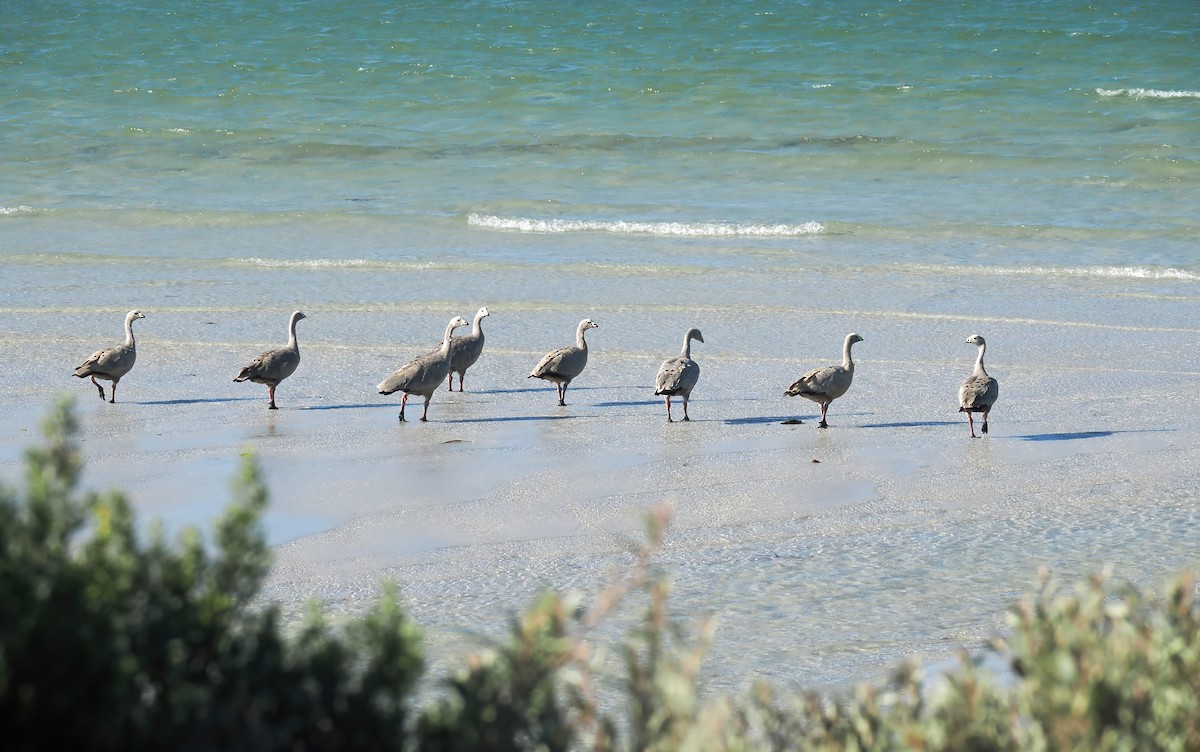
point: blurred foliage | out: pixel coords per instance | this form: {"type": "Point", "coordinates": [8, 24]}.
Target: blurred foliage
{"type": "Point", "coordinates": [109, 642]}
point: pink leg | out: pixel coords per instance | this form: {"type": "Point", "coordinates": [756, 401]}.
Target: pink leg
{"type": "Point", "coordinates": [971, 423]}
{"type": "Point", "coordinates": [403, 402]}
{"type": "Point", "coordinates": [669, 409]}
{"type": "Point", "coordinates": [685, 415]}
{"type": "Point", "coordinates": [824, 407]}
{"type": "Point", "coordinates": [113, 400]}
{"type": "Point", "coordinates": [271, 393]}
{"type": "Point", "coordinates": [425, 412]}
{"type": "Point", "coordinates": [450, 381]}
{"type": "Point", "coordinates": [97, 385]}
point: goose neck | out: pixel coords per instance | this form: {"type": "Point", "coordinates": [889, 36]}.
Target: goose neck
{"type": "Point", "coordinates": [445, 350]}
{"type": "Point", "coordinates": [292, 344]}
{"type": "Point", "coordinates": [979, 360]}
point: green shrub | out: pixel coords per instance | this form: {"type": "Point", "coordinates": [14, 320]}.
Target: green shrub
{"type": "Point", "coordinates": [107, 642]}
{"type": "Point", "coordinates": [1109, 668]}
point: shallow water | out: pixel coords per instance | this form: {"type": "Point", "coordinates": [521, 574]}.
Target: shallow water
{"type": "Point", "coordinates": [778, 176]}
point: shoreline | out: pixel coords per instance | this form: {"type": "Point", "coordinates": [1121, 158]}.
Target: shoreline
{"type": "Point", "coordinates": [905, 538]}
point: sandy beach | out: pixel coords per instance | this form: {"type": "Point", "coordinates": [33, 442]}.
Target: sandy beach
{"type": "Point", "coordinates": [826, 555]}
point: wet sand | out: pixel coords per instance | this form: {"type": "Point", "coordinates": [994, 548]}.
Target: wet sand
{"type": "Point", "coordinates": [827, 555]}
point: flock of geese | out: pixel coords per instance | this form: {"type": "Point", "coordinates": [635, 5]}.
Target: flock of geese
{"type": "Point", "coordinates": [422, 376]}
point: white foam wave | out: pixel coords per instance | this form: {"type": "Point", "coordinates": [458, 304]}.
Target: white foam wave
{"type": "Point", "coordinates": [1148, 93]}
{"type": "Point", "coordinates": [1108, 272]}
{"type": "Point", "coordinates": [679, 229]}
{"type": "Point", "coordinates": [303, 263]}
{"type": "Point", "coordinates": [12, 211]}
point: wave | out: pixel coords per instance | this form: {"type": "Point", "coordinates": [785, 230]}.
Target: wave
{"type": "Point", "coordinates": [275, 263]}
{"type": "Point", "coordinates": [1148, 93]}
{"type": "Point", "coordinates": [1098, 272]}
{"type": "Point", "coordinates": [14, 211]}
{"type": "Point", "coordinates": [621, 227]}
{"type": "Point", "coordinates": [370, 265]}
{"type": "Point", "coordinates": [1120, 272]}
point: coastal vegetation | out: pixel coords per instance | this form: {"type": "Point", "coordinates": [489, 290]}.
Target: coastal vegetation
{"type": "Point", "coordinates": [109, 641]}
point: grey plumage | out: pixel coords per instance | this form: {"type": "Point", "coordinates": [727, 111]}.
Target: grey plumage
{"type": "Point", "coordinates": [678, 376]}
{"type": "Point", "coordinates": [465, 350]}
{"type": "Point", "coordinates": [824, 385]}
{"type": "Point", "coordinates": [562, 365]}
{"type": "Point", "coordinates": [979, 391]}
{"type": "Point", "coordinates": [112, 363]}
{"type": "Point", "coordinates": [273, 366]}
{"type": "Point", "coordinates": [422, 376]}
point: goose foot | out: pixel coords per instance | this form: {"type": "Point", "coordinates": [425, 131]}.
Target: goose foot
{"type": "Point", "coordinates": [822, 424]}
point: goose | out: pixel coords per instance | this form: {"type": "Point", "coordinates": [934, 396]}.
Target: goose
{"type": "Point", "coordinates": [565, 363]}
{"type": "Point", "coordinates": [273, 366]}
{"type": "Point", "coordinates": [112, 363]}
{"type": "Point", "coordinates": [677, 376]}
{"type": "Point", "coordinates": [465, 350]}
{"type": "Point", "coordinates": [422, 376]}
{"type": "Point", "coordinates": [824, 385]}
{"type": "Point", "coordinates": [978, 391]}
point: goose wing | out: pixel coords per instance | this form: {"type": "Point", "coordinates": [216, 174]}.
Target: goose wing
{"type": "Point", "coordinates": [111, 361]}
{"type": "Point", "coordinates": [464, 351]}
{"type": "Point", "coordinates": [420, 375]}
{"type": "Point", "coordinates": [978, 392]}
{"type": "Point", "coordinates": [272, 365]}
{"type": "Point", "coordinates": [677, 376]}
{"type": "Point", "coordinates": [565, 362]}
{"type": "Point", "coordinates": [830, 381]}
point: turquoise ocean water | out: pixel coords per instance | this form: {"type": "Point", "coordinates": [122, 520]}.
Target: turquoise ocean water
{"type": "Point", "coordinates": [777, 173]}
{"type": "Point", "coordinates": [378, 132]}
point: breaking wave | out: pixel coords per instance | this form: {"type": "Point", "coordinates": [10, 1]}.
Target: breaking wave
{"type": "Point", "coordinates": [1148, 93]}
{"type": "Point", "coordinates": [271, 263]}
{"type": "Point", "coordinates": [621, 227]}
{"type": "Point", "coordinates": [13, 211]}
{"type": "Point", "coordinates": [1100, 272]}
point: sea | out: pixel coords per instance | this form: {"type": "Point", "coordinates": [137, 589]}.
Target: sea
{"type": "Point", "coordinates": [777, 174]}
